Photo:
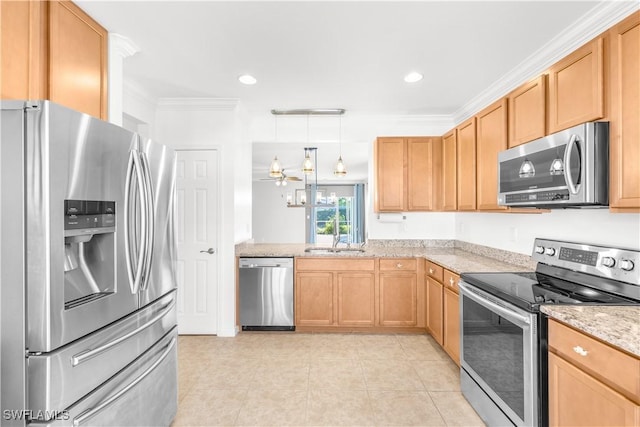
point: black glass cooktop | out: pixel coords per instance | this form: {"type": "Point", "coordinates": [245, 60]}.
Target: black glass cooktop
{"type": "Point", "coordinates": [529, 290]}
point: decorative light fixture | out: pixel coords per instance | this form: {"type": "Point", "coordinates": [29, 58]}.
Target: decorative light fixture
{"type": "Point", "coordinates": [526, 169]}
{"type": "Point", "coordinates": [557, 167]}
{"type": "Point", "coordinates": [307, 164]}
{"type": "Point", "coordinates": [275, 170]}
{"type": "Point", "coordinates": [340, 169]}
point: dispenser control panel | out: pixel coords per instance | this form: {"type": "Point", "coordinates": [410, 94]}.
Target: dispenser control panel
{"type": "Point", "coordinates": [82, 214]}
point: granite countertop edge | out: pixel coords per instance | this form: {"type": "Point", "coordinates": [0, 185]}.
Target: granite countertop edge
{"type": "Point", "coordinates": [615, 325]}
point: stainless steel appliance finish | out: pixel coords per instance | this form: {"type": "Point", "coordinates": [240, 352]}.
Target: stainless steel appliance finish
{"type": "Point", "coordinates": [495, 330]}
{"type": "Point", "coordinates": [503, 349]}
{"type": "Point", "coordinates": [86, 289]}
{"type": "Point", "coordinates": [569, 168]}
{"type": "Point", "coordinates": [266, 293]}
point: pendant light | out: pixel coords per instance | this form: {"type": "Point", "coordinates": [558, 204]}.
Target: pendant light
{"type": "Point", "coordinates": [275, 170]}
{"type": "Point", "coordinates": [340, 169]}
{"type": "Point", "coordinates": [307, 164]}
{"type": "Point", "coordinates": [527, 170]}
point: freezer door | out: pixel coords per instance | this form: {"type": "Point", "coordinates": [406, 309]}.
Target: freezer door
{"type": "Point", "coordinates": [159, 164]}
{"type": "Point", "coordinates": [58, 379]}
{"type": "Point", "coordinates": [76, 275]}
{"type": "Point", "coordinates": [143, 394]}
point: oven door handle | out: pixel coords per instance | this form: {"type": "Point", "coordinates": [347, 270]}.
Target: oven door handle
{"type": "Point", "coordinates": [503, 311]}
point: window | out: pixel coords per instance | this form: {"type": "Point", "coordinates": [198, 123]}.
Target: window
{"type": "Point", "coordinates": [338, 215]}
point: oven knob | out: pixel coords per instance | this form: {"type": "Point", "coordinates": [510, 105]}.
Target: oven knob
{"type": "Point", "coordinates": [626, 264]}
{"type": "Point", "coordinates": [550, 251]}
{"type": "Point", "coordinates": [608, 261]}
{"type": "Point", "coordinates": [539, 249]}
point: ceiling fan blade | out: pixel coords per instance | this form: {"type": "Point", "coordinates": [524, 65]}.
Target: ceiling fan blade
{"type": "Point", "coordinates": [293, 178]}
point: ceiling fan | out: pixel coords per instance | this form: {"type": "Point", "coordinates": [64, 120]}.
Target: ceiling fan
{"type": "Point", "coordinates": [282, 179]}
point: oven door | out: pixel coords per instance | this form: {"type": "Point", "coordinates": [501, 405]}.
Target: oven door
{"type": "Point", "coordinates": [498, 351]}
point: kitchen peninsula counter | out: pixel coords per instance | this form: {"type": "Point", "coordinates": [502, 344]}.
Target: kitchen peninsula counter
{"type": "Point", "coordinates": [456, 259]}
{"type": "Point", "coordinates": [615, 325]}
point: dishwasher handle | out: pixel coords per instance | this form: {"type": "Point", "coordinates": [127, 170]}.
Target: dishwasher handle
{"type": "Point", "coordinates": [266, 263]}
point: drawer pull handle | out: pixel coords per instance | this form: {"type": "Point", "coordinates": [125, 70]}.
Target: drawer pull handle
{"type": "Point", "coordinates": [399, 265]}
{"type": "Point", "coordinates": [581, 351]}
{"type": "Point", "coordinates": [430, 270]}
{"type": "Point", "coordinates": [451, 281]}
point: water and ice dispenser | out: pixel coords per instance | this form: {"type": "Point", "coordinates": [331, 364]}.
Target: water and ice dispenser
{"type": "Point", "coordinates": [89, 248]}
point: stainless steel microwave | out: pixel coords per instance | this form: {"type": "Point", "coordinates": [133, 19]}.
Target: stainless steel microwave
{"type": "Point", "coordinates": [569, 168]}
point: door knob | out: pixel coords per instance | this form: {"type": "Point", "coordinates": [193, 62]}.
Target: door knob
{"type": "Point", "coordinates": [208, 251]}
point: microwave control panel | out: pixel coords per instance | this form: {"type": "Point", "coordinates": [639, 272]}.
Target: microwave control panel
{"type": "Point", "coordinates": [538, 196]}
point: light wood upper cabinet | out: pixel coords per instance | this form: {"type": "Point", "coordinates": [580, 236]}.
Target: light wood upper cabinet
{"type": "Point", "coordinates": [390, 161]}
{"type": "Point", "coordinates": [53, 50]}
{"type": "Point", "coordinates": [407, 174]}
{"type": "Point", "coordinates": [491, 139]}
{"type": "Point", "coordinates": [466, 165]}
{"type": "Point", "coordinates": [23, 50]}
{"type": "Point", "coordinates": [527, 106]}
{"type": "Point", "coordinates": [576, 87]}
{"type": "Point", "coordinates": [449, 179]}
{"type": "Point", "coordinates": [624, 130]}
{"type": "Point", "coordinates": [424, 166]}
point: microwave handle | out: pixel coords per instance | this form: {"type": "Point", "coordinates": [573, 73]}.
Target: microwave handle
{"type": "Point", "coordinates": [567, 159]}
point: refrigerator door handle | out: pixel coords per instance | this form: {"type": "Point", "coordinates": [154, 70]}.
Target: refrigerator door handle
{"type": "Point", "coordinates": [144, 163]}
{"type": "Point", "coordinates": [91, 412]}
{"type": "Point", "coordinates": [133, 167]}
{"type": "Point", "coordinates": [77, 359]}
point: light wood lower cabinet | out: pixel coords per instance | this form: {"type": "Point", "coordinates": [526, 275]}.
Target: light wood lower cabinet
{"type": "Point", "coordinates": [358, 293]}
{"type": "Point", "coordinates": [590, 382]}
{"type": "Point", "coordinates": [435, 309]}
{"type": "Point", "coordinates": [356, 299]}
{"type": "Point", "coordinates": [451, 316]}
{"type": "Point", "coordinates": [314, 299]}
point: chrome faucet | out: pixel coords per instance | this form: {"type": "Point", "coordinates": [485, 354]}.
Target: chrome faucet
{"type": "Point", "coordinates": [336, 230]}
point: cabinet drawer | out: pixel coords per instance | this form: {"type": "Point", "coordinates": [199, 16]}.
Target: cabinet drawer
{"type": "Point", "coordinates": [619, 370]}
{"type": "Point", "coordinates": [334, 264]}
{"type": "Point", "coordinates": [435, 271]}
{"type": "Point", "coordinates": [451, 281]}
{"type": "Point", "coordinates": [398, 264]}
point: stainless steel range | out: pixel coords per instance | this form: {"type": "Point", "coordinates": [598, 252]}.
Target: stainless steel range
{"type": "Point", "coordinates": [503, 352]}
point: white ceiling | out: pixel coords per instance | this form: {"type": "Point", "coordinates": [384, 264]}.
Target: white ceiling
{"type": "Point", "coordinates": [331, 54]}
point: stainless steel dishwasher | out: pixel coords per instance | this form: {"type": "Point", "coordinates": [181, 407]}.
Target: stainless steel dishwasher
{"type": "Point", "coordinates": [266, 294]}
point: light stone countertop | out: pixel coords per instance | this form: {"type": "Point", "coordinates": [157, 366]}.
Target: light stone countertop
{"type": "Point", "coordinates": [454, 259]}
{"type": "Point", "coordinates": [616, 325]}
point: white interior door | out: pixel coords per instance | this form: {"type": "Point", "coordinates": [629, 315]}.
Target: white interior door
{"type": "Point", "coordinates": [197, 236]}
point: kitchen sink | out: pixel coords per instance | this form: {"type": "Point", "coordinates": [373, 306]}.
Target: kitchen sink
{"type": "Point", "coordinates": [333, 250]}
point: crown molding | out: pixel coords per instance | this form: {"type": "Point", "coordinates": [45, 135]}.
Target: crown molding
{"type": "Point", "coordinates": [198, 104]}
{"type": "Point", "coordinates": [431, 120]}
{"type": "Point", "coordinates": [593, 23]}
{"type": "Point", "coordinates": [122, 46]}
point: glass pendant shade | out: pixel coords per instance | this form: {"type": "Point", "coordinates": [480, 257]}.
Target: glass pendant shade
{"type": "Point", "coordinates": [527, 170]}
{"type": "Point", "coordinates": [307, 164]}
{"type": "Point", "coordinates": [557, 167]}
{"type": "Point", "coordinates": [340, 169]}
{"type": "Point", "coordinates": [275, 170]}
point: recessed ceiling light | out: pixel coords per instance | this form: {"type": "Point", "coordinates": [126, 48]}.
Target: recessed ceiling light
{"type": "Point", "coordinates": [413, 77]}
{"type": "Point", "coordinates": [247, 79]}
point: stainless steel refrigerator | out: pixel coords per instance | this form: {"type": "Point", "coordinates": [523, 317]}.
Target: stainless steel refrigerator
{"type": "Point", "coordinates": [87, 270]}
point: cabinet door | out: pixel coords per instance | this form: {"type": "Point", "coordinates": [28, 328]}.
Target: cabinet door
{"type": "Point", "coordinates": [452, 325]}
{"type": "Point", "coordinates": [491, 139]}
{"type": "Point", "coordinates": [424, 168]}
{"type": "Point", "coordinates": [528, 111]}
{"type": "Point", "coordinates": [398, 299]}
{"type": "Point", "coordinates": [23, 49]}
{"type": "Point", "coordinates": [577, 399]}
{"type": "Point", "coordinates": [449, 179]}
{"type": "Point", "coordinates": [466, 172]}
{"type": "Point", "coordinates": [356, 299]}
{"type": "Point", "coordinates": [314, 299]}
{"type": "Point", "coordinates": [390, 161]}
{"type": "Point", "coordinates": [625, 114]}
{"type": "Point", "coordinates": [434, 310]}
{"type": "Point", "coordinates": [77, 60]}
{"type": "Point", "coordinates": [576, 87]}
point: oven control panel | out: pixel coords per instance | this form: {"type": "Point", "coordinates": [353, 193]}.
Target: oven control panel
{"type": "Point", "coordinates": [614, 263]}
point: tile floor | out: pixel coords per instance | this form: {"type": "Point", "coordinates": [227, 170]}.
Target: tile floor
{"type": "Point", "coordinates": [295, 379]}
